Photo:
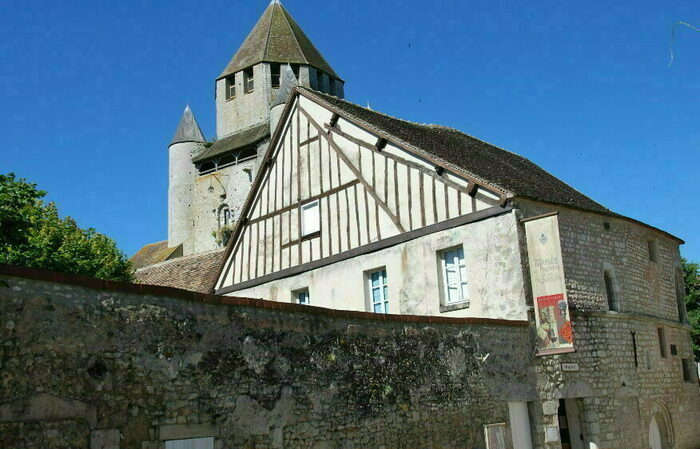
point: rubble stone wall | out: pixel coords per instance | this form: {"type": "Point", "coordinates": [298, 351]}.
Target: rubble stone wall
{"type": "Point", "coordinates": [106, 365]}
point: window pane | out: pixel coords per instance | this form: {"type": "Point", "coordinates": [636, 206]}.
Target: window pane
{"type": "Point", "coordinates": [465, 292]}
{"type": "Point", "coordinates": [311, 219]}
{"type": "Point", "coordinates": [375, 295]}
{"type": "Point", "coordinates": [386, 294]}
{"type": "Point", "coordinates": [452, 294]}
{"type": "Point", "coordinates": [451, 277]}
{"type": "Point", "coordinates": [375, 279]}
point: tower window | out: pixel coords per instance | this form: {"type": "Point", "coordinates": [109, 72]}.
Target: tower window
{"type": "Point", "coordinates": [680, 297]}
{"type": "Point", "coordinates": [275, 71]}
{"type": "Point", "coordinates": [662, 341]}
{"type": "Point", "coordinates": [653, 250]}
{"type": "Point", "coordinates": [231, 87]}
{"type": "Point", "coordinates": [225, 217]}
{"type": "Point", "coordinates": [248, 80]}
{"type": "Point", "coordinates": [611, 291]}
{"type": "Point", "coordinates": [295, 69]}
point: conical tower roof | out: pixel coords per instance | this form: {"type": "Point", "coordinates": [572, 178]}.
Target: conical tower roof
{"type": "Point", "coordinates": [188, 130]}
{"type": "Point", "coordinates": [277, 38]}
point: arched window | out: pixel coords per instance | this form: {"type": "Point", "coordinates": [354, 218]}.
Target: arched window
{"type": "Point", "coordinates": [227, 160]}
{"type": "Point", "coordinates": [225, 216]}
{"type": "Point", "coordinates": [247, 153]}
{"type": "Point", "coordinates": [207, 167]}
{"type": "Point", "coordinates": [680, 296]}
{"type": "Point", "coordinates": [611, 290]}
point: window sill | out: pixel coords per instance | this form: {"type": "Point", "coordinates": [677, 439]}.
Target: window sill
{"type": "Point", "coordinates": [230, 98]}
{"type": "Point", "coordinates": [455, 306]}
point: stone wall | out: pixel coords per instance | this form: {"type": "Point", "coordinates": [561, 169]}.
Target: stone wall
{"type": "Point", "coordinates": [87, 363]}
{"type": "Point", "coordinates": [617, 397]}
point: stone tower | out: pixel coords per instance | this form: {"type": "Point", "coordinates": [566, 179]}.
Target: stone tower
{"type": "Point", "coordinates": [250, 80]}
{"type": "Point", "coordinates": [209, 181]}
{"type": "Point", "coordinates": [188, 141]}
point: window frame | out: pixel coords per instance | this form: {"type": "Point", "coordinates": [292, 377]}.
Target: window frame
{"type": "Point", "coordinates": [248, 80]}
{"type": "Point", "coordinates": [230, 83]}
{"type": "Point", "coordinates": [663, 346]}
{"type": "Point", "coordinates": [304, 232]}
{"type": "Point", "coordinates": [446, 302]}
{"type": "Point", "coordinates": [296, 296]}
{"type": "Point", "coordinates": [275, 74]}
{"type": "Point", "coordinates": [653, 250]}
{"type": "Point", "coordinates": [382, 288]}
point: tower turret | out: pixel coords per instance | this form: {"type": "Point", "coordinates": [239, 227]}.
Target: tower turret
{"type": "Point", "coordinates": [188, 141]}
{"type": "Point", "coordinates": [252, 78]}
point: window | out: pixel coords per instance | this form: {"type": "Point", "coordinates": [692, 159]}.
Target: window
{"type": "Point", "coordinates": [301, 297]}
{"type": "Point", "coordinates": [653, 250]}
{"type": "Point", "coordinates": [231, 87]}
{"type": "Point", "coordinates": [310, 218]}
{"type": "Point", "coordinates": [275, 71]}
{"type": "Point", "coordinates": [379, 291]}
{"type": "Point", "coordinates": [454, 276]}
{"type": "Point", "coordinates": [688, 366]}
{"type": "Point", "coordinates": [680, 297]}
{"type": "Point", "coordinates": [225, 161]}
{"type": "Point", "coordinates": [662, 342]}
{"type": "Point", "coordinates": [207, 167]}
{"type": "Point", "coordinates": [225, 217]}
{"type": "Point", "coordinates": [610, 291]}
{"type": "Point", "coordinates": [634, 348]}
{"type": "Point", "coordinates": [247, 153]}
{"type": "Point", "coordinates": [295, 69]}
{"type": "Point", "coordinates": [248, 81]}
{"type": "Point", "coordinates": [194, 443]}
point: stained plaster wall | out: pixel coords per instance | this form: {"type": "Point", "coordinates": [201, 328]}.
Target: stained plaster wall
{"type": "Point", "coordinates": [115, 367]}
{"type": "Point", "coordinates": [492, 258]}
{"type": "Point", "coordinates": [618, 398]}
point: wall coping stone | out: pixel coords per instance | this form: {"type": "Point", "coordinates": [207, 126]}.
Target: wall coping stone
{"type": "Point", "coordinates": [204, 298]}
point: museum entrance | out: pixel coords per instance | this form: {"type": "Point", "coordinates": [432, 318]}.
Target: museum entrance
{"type": "Point", "coordinates": [570, 427]}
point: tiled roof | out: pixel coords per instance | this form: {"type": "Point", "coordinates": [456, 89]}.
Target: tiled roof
{"type": "Point", "coordinates": [495, 166]}
{"type": "Point", "coordinates": [154, 253]}
{"type": "Point", "coordinates": [234, 142]}
{"type": "Point", "coordinates": [277, 38]}
{"type": "Point", "coordinates": [195, 273]}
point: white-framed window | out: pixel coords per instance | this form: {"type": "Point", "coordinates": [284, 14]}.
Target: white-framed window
{"type": "Point", "coordinates": [301, 297]}
{"type": "Point", "coordinates": [378, 291]}
{"type": "Point", "coordinates": [310, 218]}
{"type": "Point", "coordinates": [454, 276]}
{"type": "Point", "coordinates": [193, 443]}
{"type": "Point", "coordinates": [231, 87]}
{"type": "Point", "coordinates": [248, 80]}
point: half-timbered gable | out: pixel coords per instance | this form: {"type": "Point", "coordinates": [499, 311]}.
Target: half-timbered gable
{"type": "Point", "coordinates": [363, 188]}
{"type": "Point", "coordinates": [332, 189]}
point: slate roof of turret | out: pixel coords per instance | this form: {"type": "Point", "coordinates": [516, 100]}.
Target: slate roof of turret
{"type": "Point", "coordinates": [277, 38]}
{"type": "Point", "coordinates": [188, 130]}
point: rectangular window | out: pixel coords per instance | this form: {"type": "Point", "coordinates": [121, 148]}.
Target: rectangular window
{"type": "Point", "coordinates": [378, 291]}
{"type": "Point", "coordinates": [688, 366]}
{"type": "Point", "coordinates": [231, 87]}
{"type": "Point", "coordinates": [275, 71]}
{"type": "Point", "coordinates": [248, 81]}
{"type": "Point", "coordinates": [302, 297]}
{"type": "Point", "coordinates": [310, 218]}
{"type": "Point", "coordinates": [295, 69]}
{"type": "Point", "coordinates": [454, 276]}
{"type": "Point", "coordinates": [194, 443]}
{"type": "Point", "coordinates": [662, 342]}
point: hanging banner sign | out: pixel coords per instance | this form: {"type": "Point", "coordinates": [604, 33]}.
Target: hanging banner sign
{"type": "Point", "coordinates": [554, 332]}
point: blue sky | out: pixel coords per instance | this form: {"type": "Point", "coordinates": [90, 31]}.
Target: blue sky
{"type": "Point", "coordinates": [91, 92]}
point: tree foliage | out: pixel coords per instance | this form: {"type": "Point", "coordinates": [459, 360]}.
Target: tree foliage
{"type": "Point", "coordinates": [691, 276]}
{"type": "Point", "coordinates": [32, 234]}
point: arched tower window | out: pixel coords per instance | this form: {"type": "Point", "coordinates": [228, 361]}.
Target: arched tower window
{"type": "Point", "coordinates": [225, 216]}
{"type": "Point", "coordinates": [680, 296]}
{"type": "Point", "coordinates": [611, 290]}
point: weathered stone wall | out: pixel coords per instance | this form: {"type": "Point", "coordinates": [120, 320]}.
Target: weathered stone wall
{"type": "Point", "coordinates": [616, 397]}
{"type": "Point", "coordinates": [110, 364]}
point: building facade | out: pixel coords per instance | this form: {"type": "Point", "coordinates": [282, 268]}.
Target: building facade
{"type": "Point", "coordinates": [308, 199]}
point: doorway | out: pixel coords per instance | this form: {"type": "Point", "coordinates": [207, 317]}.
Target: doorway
{"type": "Point", "coordinates": [570, 427]}
{"type": "Point", "coordinates": [658, 433]}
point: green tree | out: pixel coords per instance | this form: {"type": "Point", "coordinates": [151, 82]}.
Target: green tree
{"type": "Point", "coordinates": [691, 276]}
{"type": "Point", "coordinates": [32, 234]}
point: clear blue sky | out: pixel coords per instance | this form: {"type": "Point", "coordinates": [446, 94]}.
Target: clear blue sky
{"type": "Point", "coordinates": [91, 92]}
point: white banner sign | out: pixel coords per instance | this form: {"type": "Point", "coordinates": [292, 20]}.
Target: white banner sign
{"type": "Point", "coordinates": [554, 330]}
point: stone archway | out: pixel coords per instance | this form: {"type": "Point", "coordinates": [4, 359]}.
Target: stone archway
{"type": "Point", "coordinates": [660, 428]}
